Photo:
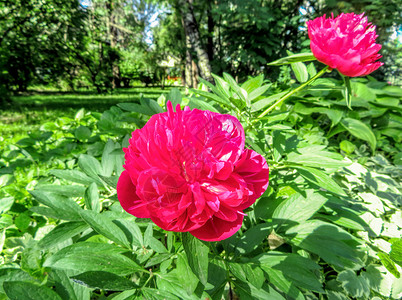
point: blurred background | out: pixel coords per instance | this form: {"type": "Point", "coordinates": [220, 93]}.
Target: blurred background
{"type": "Point", "coordinates": [102, 45]}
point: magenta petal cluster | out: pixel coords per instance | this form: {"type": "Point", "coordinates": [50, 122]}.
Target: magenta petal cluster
{"type": "Point", "coordinates": [346, 43]}
{"type": "Point", "coordinates": [189, 172]}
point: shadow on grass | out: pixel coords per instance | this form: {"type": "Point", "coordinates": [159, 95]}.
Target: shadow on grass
{"type": "Point", "coordinates": [72, 101]}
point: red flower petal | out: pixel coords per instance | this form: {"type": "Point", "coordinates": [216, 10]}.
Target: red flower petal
{"type": "Point", "coordinates": [126, 193]}
{"type": "Point", "coordinates": [217, 229]}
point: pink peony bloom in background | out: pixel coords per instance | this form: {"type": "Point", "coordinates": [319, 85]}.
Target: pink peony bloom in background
{"type": "Point", "coordinates": [189, 171]}
{"type": "Point", "coordinates": [346, 43]}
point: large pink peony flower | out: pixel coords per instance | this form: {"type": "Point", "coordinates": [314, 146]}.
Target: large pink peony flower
{"type": "Point", "coordinates": [346, 43]}
{"type": "Point", "coordinates": [188, 171]}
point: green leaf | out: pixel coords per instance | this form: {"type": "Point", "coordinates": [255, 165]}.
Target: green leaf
{"type": "Point", "coordinates": [197, 254]}
{"type": "Point", "coordinates": [5, 204]}
{"type": "Point", "coordinates": [300, 270]}
{"type": "Point", "coordinates": [65, 208]}
{"type": "Point", "coordinates": [72, 175]}
{"type": "Point", "coordinates": [347, 146]}
{"type": "Point", "coordinates": [66, 288]}
{"type": "Point", "coordinates": [174, 96]}
{"type": "Point", "coordinates": [389, 264]}
{"type": "Point", "coordinates": [396, 252]}
{"type": "Point", "coordinates": [22, 221]}
{"type": "Point", "coordinates": [300, 71]}
{"type": "Point", "coordinates": [263, 103]}
{"type": "Point", "coordinates": [133, 107]}
{"type": "Point", "coordinates": [322, 159]}
{"type": "Point", "coordinates": [246, 290]}
{"type": "Point", "coordinates": [108, 159]}
{"type": "Point", "coordinates": [225, 95]}
{"type": "Point", "coordinates": [278, 279]}
{"type": "Point", "coordinates": [298, 208]}
{"type": "Point", "coordinates": [241, 93]}
{"type": "Point", "coordinates": [300, 57]}
{"type": "Point", "coordinates": [171, 283]}
{"type": "Point", "coordinates": [253, 83]}
{"type": "Point", "coordinates": [132, 231]}
{"type": "Point", "coordinates": [152, 242]}
{"type": "Point", "coordinates": [258, 92]}
{"type": "Point", "coordinates": [185, 275]}
{"type": "Point", "coordinates": [17, 290]}
{"type": "Point", "coordinates": [64, 190]}
{"type": "Point", "coordinates": [356, 286]}
{"type": "Point", "coordinates": [360, 130]}
{"type": "Point", "coordinates": [200, 104]}
{"type": "Point", "coordinates": [104, 281]}
{"type": "Point", "coordinates": [11, 274]}
{"type": "Point", "coordinates": [61, 233]}
{"type": "Point", "coordinates": [2, 238]}
{"type": "Point", "coordinates": [320, 179]}
{"type": "Point", "coordinates": [92, 198]}
{"type": "Point", "coordinates": [90, 165]}
{"type": "Point", "coordinates": [105, 226]}
{"type": "Point", "coordinates": [157, 294]}
{"type": "Point", "coordinates": [157, 259]}
{"type": "Point", "coordinates": [222, 86]}
{"type": "Point", "coordinates": [82, 133]}
{"type": "Point", "coordinates": [348, 91]}
{"type": "Point", "coordinates": [330, 242]}
{"type": "Point", "coordinates": [212, 97]}
{"type": "Point", "coordinates": [86, 256]}
{"type": "Point", "coordinates": [252, 238]}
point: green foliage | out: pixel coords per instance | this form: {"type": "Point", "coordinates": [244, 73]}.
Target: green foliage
{"type": "Point", "coordinates": [327, 227]}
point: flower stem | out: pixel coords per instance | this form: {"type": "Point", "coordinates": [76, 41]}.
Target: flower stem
{"type": "Point", "coordinates": [300, 87]}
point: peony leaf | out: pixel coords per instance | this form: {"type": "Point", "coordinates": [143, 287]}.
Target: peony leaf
{"type": "Point", "coordinates": [17, 290]}
{"type": "Point", "coordinates": [297, 208]}
{"type": "Point", "coordinates": [320, 179]}
{"type": "Point", "coordinates": [333, 244]}
{"type": "Point", "coordinates": [61, 233]}
{"type": "Point", "coordinates": [253, 83]}
{"type": "Point", "coordinates": [299, 270]}
{"type": "Point", "coordinates": [104, 281]}
{"type": "Point", "coordinates": [67, 288]}
{"type": "Point", "coordinates": [86, 256]}
{"type": "Point", "coordinates": [66, 209]}
{"type": "Point", "coordinates": [389, 264]}
{"type": "Point", "coordinates": [361, 131]}
{"type": "Point", "coordinates": [396, 252]}
{"type": "Point", "coordinates": [92, 198]}
{"type": "Point", "coordinates": [348, 92]}
{"type": "Point", "coordinates": [197, 254]}
{"type": "Point", "coordinates": [252, 238]}
{"type": "Point", "coordinates": [300, 57]}
{"type": "Point", "coordinates": [104, 226]}
{"type": "Point", "coordinates": [300, 71]}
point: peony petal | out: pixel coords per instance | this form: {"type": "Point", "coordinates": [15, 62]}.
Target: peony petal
{"type": "Point", "coordinates": [217, 229]}
{"type": "Point", "coordinates": [253, 168]}
{"type": "Point", "coordinates": [346, 43]}
{"type": "Point", "coordinates": [126, 193]}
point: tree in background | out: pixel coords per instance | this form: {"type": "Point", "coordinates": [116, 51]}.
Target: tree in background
{"type": "Point", "coordinates": [108, 42]}
{"type": "Point", "coordinates": [35, 41]}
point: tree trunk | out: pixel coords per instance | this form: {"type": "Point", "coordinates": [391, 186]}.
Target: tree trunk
{"type": "Point", "coordinates": [192, 32]}
{"type": "Point", "coordinates": [113, 36]}
{"type": "Point", "coordinates": [211, 28]}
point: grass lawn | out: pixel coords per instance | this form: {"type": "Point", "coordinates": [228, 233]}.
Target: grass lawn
{"type": "Point", "coordinates": [28, 112]}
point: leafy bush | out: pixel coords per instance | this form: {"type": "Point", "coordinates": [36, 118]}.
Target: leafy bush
{"type": "Point", "coordinates": [329, 225]}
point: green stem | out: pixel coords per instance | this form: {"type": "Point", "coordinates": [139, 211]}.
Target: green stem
{"type": "Point", "coordinates": [300, 87]}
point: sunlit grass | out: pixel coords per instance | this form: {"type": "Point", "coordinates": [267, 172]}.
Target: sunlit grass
{"type": "Point", "coordinates": [28, 112]}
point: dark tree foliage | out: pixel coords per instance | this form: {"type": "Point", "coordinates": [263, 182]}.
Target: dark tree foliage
{"type": "Point", "coordinates": [106, 45]}
{"type": "Point", "coordinates": [36, 39]}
